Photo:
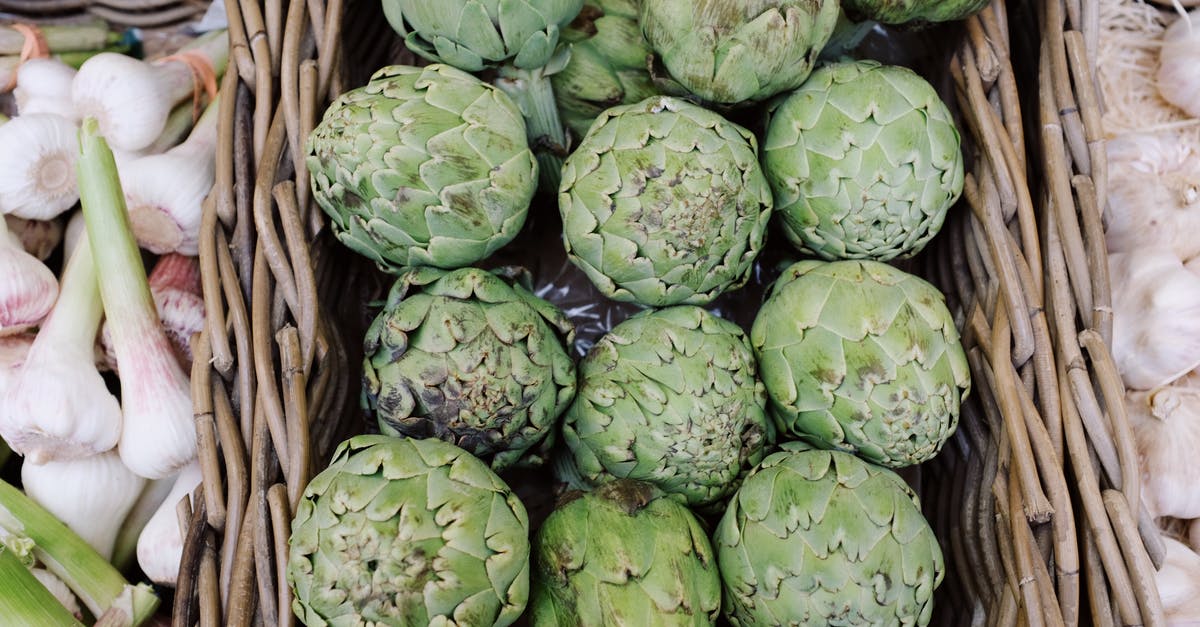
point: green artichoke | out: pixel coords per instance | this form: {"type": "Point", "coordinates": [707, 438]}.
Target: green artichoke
{"type": "Point", "coordinates": [664, 203]}
{"type": "Point", "coordinates": [864, 161]}
{"type": "Point", "coordinates": [403, 532]}
{"type": "Point", "coordinates": [471, 357]}
{"type": "Point", "coordinates": [861, 357]}
{"type": "Point", "coordinates": [423, 167]}
{"type": "Point", "coordinates": [474, 34]}
{"type": "Point", "coordinates": [670, 397]}
{"type": "Point", "coordinates": [608, 66]}
{"type": "Point", "coordinates": [824, 538]}
{"type": "Point", "coordinates": [912, 12]}
{"type": "Point", "coordinates": [623, 555]}
{"type": "Point", "coordinates": [733, 51]}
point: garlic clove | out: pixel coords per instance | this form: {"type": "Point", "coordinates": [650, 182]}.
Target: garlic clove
{"type": "Point", "coordinates": [37, 166]}
{"type": "Point", "coordinates": [29, 288]}
{"type": "Point", "coordinates": [91, 495]}
{"type": "Point", "coordinates": [160, 547]}
{"type": "Point", "coordinates": [1156, 317]}
{"type": "Point", "coordinates": [1166, 429]}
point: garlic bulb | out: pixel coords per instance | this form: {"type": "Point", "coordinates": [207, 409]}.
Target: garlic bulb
{"type": "Point", "coordinates": [38, 237]}
{"type": "Point", "coordinates": [1166, 429]}
{"type": "Point", "coordinates": [29, 288]}
{"type": "Point", "coordinates": [44, 86]}
{"type": "Point", "coordinates": [1178, 75]}
{"type": "Point", "coordinates": [1153, 194]}
{"type": "Point", "coordinates": [153, 494]}
{"type": "Point", "coordinates": [60, 590]}
{"type": "Point", "coordinates": [130, 99]}
{"type": "Point", "coordinates": [58, 407]}
{"type": "Point", "coordinates": [1178, 584]}
{"type": "Point", "coordinates": [160, 547]}
{"type": "Point", "coordinates": [91, 495]}
{"type": "Point", "coordinates": [13, 350]}
{"type": "Point", "coordinates": [1156, 317]}
{"type": "Point", "coordinates": [37, 166]}
{"type": "Point", "coordinates": [175, 285]}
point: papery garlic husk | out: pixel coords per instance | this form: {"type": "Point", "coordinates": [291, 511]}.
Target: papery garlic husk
{"type": "Point", "coordinates": [1166, 429]}
{"type": "Point", "coordinates": [91, 495]}
{"type": "Point", "coordinates": [160, 547]}
{"type": "Point", "coordinates": [129, 98]}
{"type": "Point", "coordinates": [37, 166]}
{"type": "Point", "coordinates": [1178, 77]}
{"type": "Point", "coordinates": [1178, 584]}
{"type": "Point", "coordinates": [60, 590]}
{"type": "Point", "coordinates": [58, 406]}
{"type": "Point", "coordinates": [1156, 317]}
{"type": "Point", "coordinates": [44, 86]}
{"type": "Point", "coordinates": [28, 289]}
{"type": "Point", "coordinates": [1153, 194]}
{"type": "Point", "coordinates": [38, 237]}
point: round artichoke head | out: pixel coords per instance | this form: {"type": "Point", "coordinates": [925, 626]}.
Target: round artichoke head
{"type": "Point", "coordinates": [914, 13]}
{"type": "Point", "coordinates": [408, 532]}
{"type": "Point", "coordinates": [733, 51]}
{"type": "Point", "coordinates": [861, 357]}
{"type": "Point", "coordinates": [664, 203]}
{"type": "Point", "coordinates": [474, 34]}
{"type": "Point", "coordinates": [824, 538]}
{"type": "Point", "coordinates": [471, 357]}
{"type": "Point", "coordinates": [423, 167]}
{"type": "Point", "coordinates": [623, 555]}
{"type": "Point", "coordinates": [864, 161]}
{"type": "Point", "coordinates": [608, 65]}
{"type": "Point", "coordinates": [670, 397]}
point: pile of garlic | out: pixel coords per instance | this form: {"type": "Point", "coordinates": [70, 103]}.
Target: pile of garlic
{"type": "Point", "coordinates": [81, 434]}
{"type": "Point", "coordinates": [1149, 77]}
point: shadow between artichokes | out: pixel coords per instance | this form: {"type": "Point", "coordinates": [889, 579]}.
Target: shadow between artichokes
{"type": "Point", "coordinates": [471, 357]}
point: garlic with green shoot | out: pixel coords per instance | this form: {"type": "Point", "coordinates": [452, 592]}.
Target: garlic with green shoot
{"type": "Point", "coordinates": [44, 86]}
{"type": "Point", "coordinates": [58, 407]}
{"type": "Point", "coordinates": [175, 284]}
{"type": "Point", "coordinates": [91, 495]}
{"type": "Point", "coordinates": [1178, 75]}
{"type": "Point", "coordinates": [158, 435]}
{"type": "Point", "coordinates": [37, 166]}
{"type": "Point", "coordinates": [1156, 317]}
{"type": "Point", "coordinates": [28, 289]}
{"type": "Point", "coordinates": [160, 546]}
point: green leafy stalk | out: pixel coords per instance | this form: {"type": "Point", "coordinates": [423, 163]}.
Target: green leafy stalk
{"type": "Point", "coordinates": [24, 600]}
{"type": "Point", "coordinates": [97, 584]}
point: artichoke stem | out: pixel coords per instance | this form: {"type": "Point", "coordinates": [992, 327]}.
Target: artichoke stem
{"type": "Point", "coordinates": [533, 93]}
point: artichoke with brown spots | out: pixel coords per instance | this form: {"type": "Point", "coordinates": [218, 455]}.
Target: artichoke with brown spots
{"type": "Point", "coordinates": [471, 357]}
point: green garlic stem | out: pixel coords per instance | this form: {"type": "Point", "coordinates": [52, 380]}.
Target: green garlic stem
{"type": "Point", "coordinates": [24, 600]}
{"type": "Point", "coordinates": [92, 35]}
{"type": "Point", "coordinates": [78, 310]}
{"type": "Point", "coordinates": [97, 584]}
{"type": "Point", "coordinates": [533, 93]}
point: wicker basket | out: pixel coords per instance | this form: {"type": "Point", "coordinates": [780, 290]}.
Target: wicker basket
{"type": "Point", "coordinates": [1036, 498]}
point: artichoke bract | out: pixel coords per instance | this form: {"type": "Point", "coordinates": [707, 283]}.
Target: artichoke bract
{"type": "Point", "coordinates": [861, 357]}
{"type": "Point", "coordinates": [474, 34]}
{"type": "Point", "coordinates": [664, 203]}
{"type": "Point", "coordinates": [608, 65]}
{"type": "Point", "coordinates": [406, 532]}
{"type": "Point", "coordinates": [864, 161]}
{"type": "Point", "coordinates": [471, 357]}
{"type": "Point", "coordinates": [670, 397]}
{"type": "Point", "coordinates": [733, 51]}
{"type": "Point", "coordinates": [824, 538]}
{"type": "Point", "coordinates": [912, 12]}
{"type": "Point", "coordinates": [423, 167]}
{"type": "Point", "coordinates": [624, 555]}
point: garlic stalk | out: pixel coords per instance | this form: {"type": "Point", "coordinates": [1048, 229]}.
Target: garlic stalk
{"type": "Point", "coordinates": [76, 227]}
{"type": "Point", "coordinates": [38, 237]}
{"type": "Point", "coordinates": [1153, 194]}
{"type": "Point", "coordinates": [58, 406]}
{"type": "Point", "coordinates": [1166, 429]}
{"type": "Point", "coordinates": [37, 166]}
{"type": "Point", "coordinates": [131, 99]}
{"type": "Point", "coordinates": [144, 508]}
{"type": "Point", "coordinates": [98, 585]}
{"type": "Point", "coordinates": [59, 589]}
{"type": "Point", "coordinates": [1178, 75]}
{"type": "Point", "coordinates": [157, 436]}
{"type": "Point", "coordinates": [91, 495]}
{"type": "Point", "coordinates": [1156, 317]}
{"type": "Point", "coordinates": [29, 288]}
{"type": "Point", "coordinates": [44, 86]}
{"type": "Point", "coordinates": [90, 35]}
{"type": "Point", "coordinates": [24, 600]}
{"type": "Point", "coordinates": [175, 284]}
{"type": "Point", "coordinates": [164, 192]}
{"type": "Point", "coordinates": [160, 546]}
{"type": "Point", "coordinates": [1178, 583]}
